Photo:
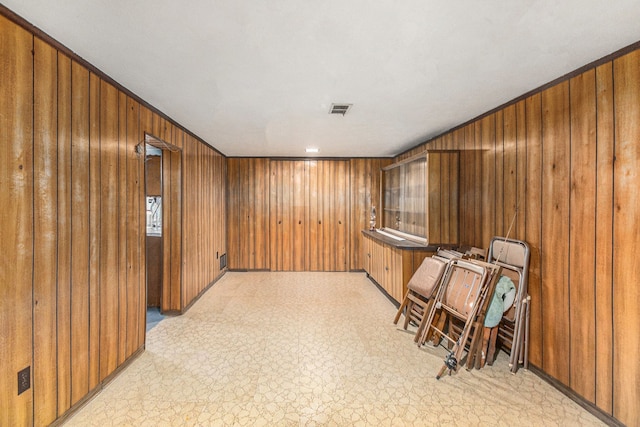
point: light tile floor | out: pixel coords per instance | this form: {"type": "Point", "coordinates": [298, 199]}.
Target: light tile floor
{"type": "Point", "coordinates": [304, 349]}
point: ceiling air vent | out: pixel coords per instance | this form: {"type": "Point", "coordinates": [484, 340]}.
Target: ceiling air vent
{"type": "Point", "coordinates": [340, 108]}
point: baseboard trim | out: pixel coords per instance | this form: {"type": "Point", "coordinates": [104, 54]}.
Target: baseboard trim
{"type": "Point", "coordinates": [588, 406]}
{"type": "Point", "coordinates": [96, 391]}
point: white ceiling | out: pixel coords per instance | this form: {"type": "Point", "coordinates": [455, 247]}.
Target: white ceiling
{"type": "Point", "coordinates": [257, 78]}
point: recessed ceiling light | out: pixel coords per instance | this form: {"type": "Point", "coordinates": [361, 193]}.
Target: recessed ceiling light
{"type": "Point", "coordinates": [311, 150]}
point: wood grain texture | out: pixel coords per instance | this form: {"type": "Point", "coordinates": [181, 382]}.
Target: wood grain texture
{"type": "Point", "coordinates": [16, 232]}
{"type": "Point", "coordinates": [466, 141]}
{"type": "Point", "coordinates": [434, 199]}
{"type": "Point", "coordinates": [447, 187]}
{"type": "Point", "coordinates": [45, 207]}
{"type": "Point", "coordinates": [164, 257]}
{"type": "Point", "coordinates": [626, 232]}
{"type": "Point", "coordinates": [453, 190]}
{"type": "Point", "coordinates": [64, 234]}
{"type": "Point", "coordinates": [298, 219]}
{"type": "Point", "coordinates": [176, 188]}
{"type": "Point", "coordinates": [95, 202]}
{"type": "Point", "coordinates": [360, 198]}
{"type": "Point", "coordinates": [521, 170]}
{"type": "Point", "coordinates": [79, 232]}
{"type": "Point", "coordinates": [123, 267]}
{"type": "Point", "coordinates": [364, 181]}
{"type": "Point", "coordinates": [109, 242]}
{"type": "Point", "coordinates": [486, 141]}
{"type": "Point", "coordinates": [133, 228]}
{"type": "Point", "coordinates": [314, 234]}
{"type": "Point", "coordinates": [203, 217]}
{"type": "Point", "coordinates": [555, 230]}
{"type": "Point", "coordinates": [582, 238]}
{"type": "Point", "coordinates": [604, 238]}
{"type": "Point", "coordinates": [142, 238]}
{"type": "Point", "coordinates": [499, 229]}
{"type": "Point", "coordinates": [509, 188]}
{"type": "Point", "coordinates": [533, 232]}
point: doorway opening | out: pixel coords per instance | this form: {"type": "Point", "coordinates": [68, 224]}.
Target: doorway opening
{"type": "Point", "coordinates": [163, 195]}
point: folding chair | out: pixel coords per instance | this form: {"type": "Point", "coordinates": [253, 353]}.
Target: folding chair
{"type": "Point", "coordinates": [421, 288]}
{"type": "Point", "coordinates": [463, 295]}
{"type": "Point", "coordinates": [513, 331]}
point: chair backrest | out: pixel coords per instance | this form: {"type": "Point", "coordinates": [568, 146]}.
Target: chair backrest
{"type": "Point", "coordinates": [513, 255]}
{"type": "Point", "coordinates": [426, 278]}
{"type": "Point", "coordinates": [465, 282]}
{"type": "Point", "coordinates": [509, 251]}
{"type": "Point", "coordinates": [448, 254]}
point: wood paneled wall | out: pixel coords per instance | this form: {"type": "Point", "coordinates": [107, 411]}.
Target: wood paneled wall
{"type": "Point", "coordinates": [248, 216]}
{"type": "Point", "coordinates": [365, 193]}
{"type": "Point", "coordinates": [72, 229]}
{"type": "Point", "coordinates": [300, 214]}
{"type": "Point", "coordinates": [204, 217]}
{"type": "Point", "coordinates": [565, 162]}
{"type": "Point", "coordinates": [16, 227]}
{"type": "Point", "coordinates": [171, 295]}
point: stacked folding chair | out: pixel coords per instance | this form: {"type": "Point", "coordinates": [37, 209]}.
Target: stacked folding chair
{"type": "Point", "coordinates": [420, 290]}
{"type": "Point", "coordinates": [512, 333]}
{"type": "Point", "coordinates": [462, 297]}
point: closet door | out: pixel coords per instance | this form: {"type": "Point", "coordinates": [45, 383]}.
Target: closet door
{"type": "Point", "coordinates": [327, 215]}
{"type": "Point", "coordinates": [287, 216]}
{"type": "Point", "coordinates": [309, 215]}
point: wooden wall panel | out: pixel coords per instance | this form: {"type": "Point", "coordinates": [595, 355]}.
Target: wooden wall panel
{"type": "Point", "coordinates": [95, 201]}
{"type": "Point", "coordinates": [325, 209]}
{"type": "Point", "coordinates": [498, 176]}
{"type": "Point", "coordinates": [468, 192]}
{"type": "Point", "coordinates": [448, 214]}
{"type": "Point", "coordinates": [453, 204]}
{"type": "Point", "coordinates": [188, 230]}
{"type": "Point", "coordinates": [364, 179]}
{"type": "Point", "coordinates": [203, 217]}
{"type": "Point", "coordinates": [533, 227]}
{"type": "Point", "coordinates": [604, 238]}
{"type": "Point", "coordinates": [45, 152]}
{"type": "Point", "coordinates": [509, 188]}
{"type": "Point", "coordinates": [555, 230]}
{"type": "Point", "coordinates": [171, 191]}
{"type": "Point", "coordinates": [259, 214]}
{"type": "Point", "coordinates": [64, 234]}
{"type": "Point", "coordinates": [79, 232]}
{"type": "Point", "coordinates": [582, 239]}
{"type": "Point", "coordinates": [626, 235]}
{"type": "Point", "coordinates": [434, 197]}
{"type": "Point", "coordinates": [133, 227]}
{"type": "Point", "coordinates": [519, 231]}
{"type": "Point", "coordinates": [172, 297]}
{"type": "Point", "coordinates": [313, 232]}
{"type": "Point", "coordinates": [109, 274]}
{"type": "Point", "coordinates": [486, 141]}
{"type": "Point", "coordinates": [239, 208]}
{"type": "Point", "coordinates": [298, 218]}
{"type": "Point", "coordinates": [340, 192]}
{"type": "Point", "coordinates": [361, 204]}
{"type": "Point", "coordinates": [308, 215]}
{"type": "Point", "coordinates": [16, 198]}
{"type": "Point", "coordinates": [123, 207]}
